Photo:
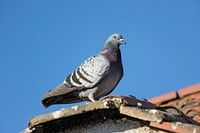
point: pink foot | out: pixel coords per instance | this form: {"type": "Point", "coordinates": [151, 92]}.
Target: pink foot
{"type": "Point", "coordinates": [93, 100]}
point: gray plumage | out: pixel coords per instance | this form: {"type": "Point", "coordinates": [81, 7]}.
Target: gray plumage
{"type": "Point", "coordinates": [93, 79]}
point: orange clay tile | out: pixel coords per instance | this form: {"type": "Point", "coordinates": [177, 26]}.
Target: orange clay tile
{"type": "Point", "coordinates": [173, 103]}
{"type": "Point", "coordinates": [176, 127]}
{"type": "Point", "coordinates": [189, 90]}
{"type": "Point", "coordinates": [187, 100]}
{"type": "Point", "coordinates": [163, 98]}
{"type": "Point", "coordinates": [197, 118]}
{"type": "Point", "coordinates": [196, 109]}
{"type": "Point", "coordinates": [192, 113]}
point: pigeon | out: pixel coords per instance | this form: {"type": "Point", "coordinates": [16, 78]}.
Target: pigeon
{"type": "Point", "coordinates": [94, 78]}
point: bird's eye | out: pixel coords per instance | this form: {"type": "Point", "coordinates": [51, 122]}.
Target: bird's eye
{"type": "Point", "coordinates": [114, 37]}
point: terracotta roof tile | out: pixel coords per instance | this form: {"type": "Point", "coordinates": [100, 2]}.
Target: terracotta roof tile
{"type": "Point", "coordinates": [163, 98]}
{"type": "Point", "coordinates": [174, 103]}
{"type": "Point", "coordinates": [176, 127]}
{"type": "Point", "coordinates": [187, 100]}
{"type": "Point", "coordinates": [192, 111]}
{"type": "Point", "coordinates": [189, 90]}
{"type": "Point", "coordinates": [197, 118]}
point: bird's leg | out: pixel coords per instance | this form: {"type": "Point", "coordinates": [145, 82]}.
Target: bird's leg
{"type": "Point", "coordinates": [91, 98]}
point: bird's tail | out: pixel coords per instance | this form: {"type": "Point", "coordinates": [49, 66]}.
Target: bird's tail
{"type": "Point", "coordinates": [50, 101]}
{"type": "Point", "coordinates": [62, 94]}
{"type": "Point", "coordinates": [64, 99]}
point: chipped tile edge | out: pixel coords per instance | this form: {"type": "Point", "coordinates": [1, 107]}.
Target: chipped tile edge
{"type": "Point", "coordinates": [75, 110]}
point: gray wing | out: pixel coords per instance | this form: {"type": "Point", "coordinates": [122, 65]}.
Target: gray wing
{"type": "Point", "coordinates": [87, 75]}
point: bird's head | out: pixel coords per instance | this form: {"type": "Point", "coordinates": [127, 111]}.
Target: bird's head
{"type": "Point", "coordinates": [115, 39]}
{"type": "Point", "coordinates": [113, 42]}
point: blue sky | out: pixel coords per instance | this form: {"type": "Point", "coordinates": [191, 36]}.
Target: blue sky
{"type": "Point", "coordinates": [41, 42]}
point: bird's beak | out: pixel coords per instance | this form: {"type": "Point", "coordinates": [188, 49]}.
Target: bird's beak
{"type": "Point", "coordinates": [121, 41]}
